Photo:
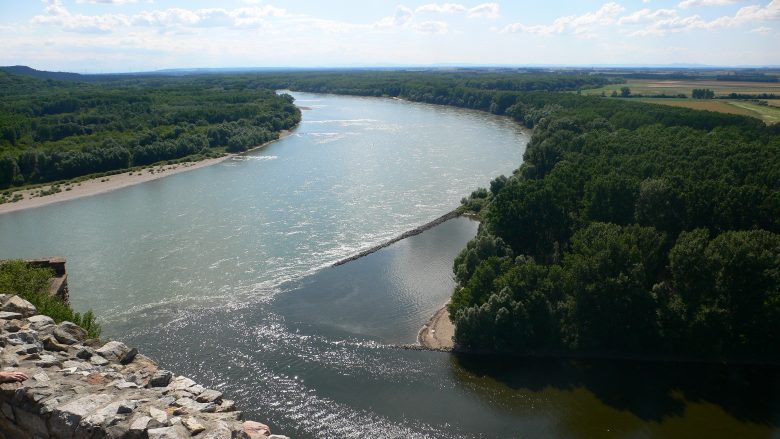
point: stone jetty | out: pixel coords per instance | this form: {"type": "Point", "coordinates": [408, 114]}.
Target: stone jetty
{"type": "Point", "coordinates": [80, 388]}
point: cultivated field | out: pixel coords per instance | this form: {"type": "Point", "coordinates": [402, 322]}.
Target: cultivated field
{"type": "Point", "coordinates": [671, 87]}
{"type": "Point", "coordinates": [768, 113]}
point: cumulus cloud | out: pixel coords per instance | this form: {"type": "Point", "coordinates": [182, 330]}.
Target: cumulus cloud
{"type": "Point", "coordinates": [57, 14]}
{"type": "Point", "coordinates": [664, 21]}
{"type": "Point", "coordinates": [576, 24]}
{"type": "Point", "coordinates": [696, 3]}
{"type": "Point", "coordinates": [484, 10]}
{"type": "Point", "coordinates": [107, 2]}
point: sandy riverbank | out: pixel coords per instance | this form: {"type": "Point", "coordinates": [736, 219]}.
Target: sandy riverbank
{"type": "Point", "coordinates": [438, 332]}
{"type": "Point", "coordinates": [99, 185]}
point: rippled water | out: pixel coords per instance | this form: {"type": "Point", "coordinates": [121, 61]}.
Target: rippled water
{"type": "Point", "coordinates": [218, 274]}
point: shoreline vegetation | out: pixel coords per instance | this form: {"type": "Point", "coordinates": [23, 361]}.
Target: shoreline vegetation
{"type": "Point", "coordinates": [100, 185]}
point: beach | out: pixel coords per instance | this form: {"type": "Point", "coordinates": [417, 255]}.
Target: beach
{"type": "Point", "coordinates": [438, 332]}
{"type": "Point", "coordinates": [99, 185]}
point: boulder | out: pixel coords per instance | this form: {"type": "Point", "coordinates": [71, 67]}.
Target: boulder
{"type": "Point", "coordinates": [173, 432]}
{"type": "Point", "coordinates": [39, 321]}
{"type": "Point", "coordinates": [161, 378]}
{"type": "Point", "coordinates": [18, 305]}
{"type": "Point", "coordinates": [209, 395]}
{"type": "Point", "coordinates": [117, 352]}
{"type": "Point", "coordinates": [193, 425]}
{"type": "Point", "coordinates": [69, 333]}
{"type": "Point", "coordinates": [7, 315]}
{"type": "Point", "coordinates": [255, 430]}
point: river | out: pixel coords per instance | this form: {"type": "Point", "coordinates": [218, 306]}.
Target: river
{"type": "Point", "coordinates": [222, 274]}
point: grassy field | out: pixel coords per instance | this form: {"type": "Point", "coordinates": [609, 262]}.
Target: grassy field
{"type": "Point", "coordinates": [768, 114]}
{"type": "Point", "coordinates": [721, 88]}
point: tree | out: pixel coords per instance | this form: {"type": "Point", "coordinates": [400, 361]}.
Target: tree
{"type": "Point", "coordinates": [625, 92]}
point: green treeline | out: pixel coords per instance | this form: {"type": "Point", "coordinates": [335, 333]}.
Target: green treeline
{"type": "Point", "coordinates": [52, 130]}
{"type": "Point", "coordinates": [631, 229]}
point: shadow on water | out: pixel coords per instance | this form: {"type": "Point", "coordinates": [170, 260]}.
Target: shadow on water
{"type": "Point", "coordinates": [651, 391]}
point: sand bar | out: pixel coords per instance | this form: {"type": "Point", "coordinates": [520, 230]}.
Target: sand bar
{"type": "Point", "coordinates": [438, 332]}
{"type": "Point", "coordinates": [99, 185]}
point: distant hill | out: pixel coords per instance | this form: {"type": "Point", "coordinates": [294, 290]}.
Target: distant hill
{"type": "Point", "coordinates": [73, 77]}
{"type": "Point", "coordinates": [41, 74]}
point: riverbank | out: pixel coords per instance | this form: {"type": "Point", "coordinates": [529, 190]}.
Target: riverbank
{"type": "Point", "coordinates": [438, 332]}
{"type": "Point", "coordinates": [99, 185]}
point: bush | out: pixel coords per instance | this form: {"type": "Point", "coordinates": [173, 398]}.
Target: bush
{"type": "Point", "coordinates": [32, 284]}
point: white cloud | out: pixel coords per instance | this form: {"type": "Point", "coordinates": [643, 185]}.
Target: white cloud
{"type": "Point", "coordinates": [763, 30]}
{"type": "Point", "coordinates": [697, 3]}
{"type": "Point", "coordinates": [664, 21]}
{"type": "Point", "coordinates": [402, 16]}
{"type": "Point", "coordinates": [446, 8]}
{"type": "Point", "coordinates": [432, 27]}
{"type": "Point", "coordinates": [576, 24]}
{"type": "Point", "coordinates": [647, 15]}
{"type": "Point", "coordinates": [57, 14]}
{"type": "Point", "coordinates": [484, 10]}
{"type": "Point", "coordinates": [107, 2]}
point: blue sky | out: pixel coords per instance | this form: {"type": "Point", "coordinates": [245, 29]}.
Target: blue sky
{"type": "Point", "coordinates": [135, 35]}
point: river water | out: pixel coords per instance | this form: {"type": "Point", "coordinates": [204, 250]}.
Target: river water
{"type": "Point", "coordinates": [222, 274]}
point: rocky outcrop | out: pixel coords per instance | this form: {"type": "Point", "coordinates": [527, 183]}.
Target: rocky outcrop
{"type": "Point", "coordinates": [80, 388]}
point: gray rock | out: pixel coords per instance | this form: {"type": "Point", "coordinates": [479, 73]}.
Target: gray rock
{"type": "Point", "coordinates": [69, 333]}
{"type": "Point", "coordinates": [127, 406]}
{"type": "Point", "coordinates": [22, 337]}
{"type": "Point", "coordinates": [98, 360]}
{"type": "Point", "coordinates": [48, 361]}
{"type": "Point", "coordinates": [209, 396]}
{"type": "Point", "coordinates": [140, 423]}
{"type": "Point", "coordinates": [220, 431]}
{"type": "Point", "coordinates": [117, 351]}
{"type": "Point", "coordinates": [161, 378]}
{"type": "Point", "coordinates": [227, 405]}
{"type": "Point", "coordinates": [167, 433]}
{"type": "Point", "coordinates": [181, 383]}
{"type": "Point", "coordinates": [39, 321]}
{"type": "Point", "coordinates": [68, 416]}
{"type": "Point", "coordinates": [50, 344]}
{"type": "Point", "coordinates": [193, 425]}
{"type": "Point", "coordinates": [6, 315]}
{"type": "Point", "coordinates": [85, 353]}
{"type": "Point", "coordinates": [158, 415]}
{"type": "Point", "coordinates": [18, 305]}
{"type": "Point", "coordinates": [25, 349]}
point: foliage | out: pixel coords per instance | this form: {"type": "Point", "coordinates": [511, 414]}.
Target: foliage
{"type": "Point", "coordinates": [32, 284]}
{"type": "Point", "coordinates": [702, 93]}
{"type": "Point", "coordinates": [52, 130]}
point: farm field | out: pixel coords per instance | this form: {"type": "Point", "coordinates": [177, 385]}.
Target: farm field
{"type": "Point", "coordinates": [768, 114]}
{"type": "Point", "coordinates": [673, 87]}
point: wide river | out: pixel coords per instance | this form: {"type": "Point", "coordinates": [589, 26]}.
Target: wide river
{"type": "Point", "coordinates": [222, 274]}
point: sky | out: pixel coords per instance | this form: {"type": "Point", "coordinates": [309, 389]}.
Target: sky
{"type": "Point", "coordinates": [104, 36]}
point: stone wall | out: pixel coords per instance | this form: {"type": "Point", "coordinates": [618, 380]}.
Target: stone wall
{"type": "Point", "coordinates": [80, 388]}
{"type": "Point", "coordinates": [58, 285]}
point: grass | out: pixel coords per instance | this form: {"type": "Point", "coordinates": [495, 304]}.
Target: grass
{"type": "Point", "coordinates": [32, 284]}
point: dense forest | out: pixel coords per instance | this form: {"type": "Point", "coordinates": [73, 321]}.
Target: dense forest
{"type": "Point", "coordinates": [631, 229]}
{"type": "Point", "coordinates": [52, 130]}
